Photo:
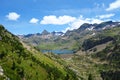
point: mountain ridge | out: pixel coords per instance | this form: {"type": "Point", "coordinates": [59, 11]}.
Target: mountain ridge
{"type": "Point", "coordinates": [55, 39]}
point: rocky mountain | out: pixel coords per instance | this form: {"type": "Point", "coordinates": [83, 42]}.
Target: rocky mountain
{"type": "Point", "coordinates": [59, 40]}
{"type": "Point", "coordinates": [85, 26]}
{"type": "Point", "coordinates": [96, 27]}
{"type": "Point", "coordinates": [57, 33]}
{"type": "Point", "coordinates": [106, 25]}
{"type": "Point", "coordinates": [45, 32]}
{"type": "Point", "coordinates": [42, 34]}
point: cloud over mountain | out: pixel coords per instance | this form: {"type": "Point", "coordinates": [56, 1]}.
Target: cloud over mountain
{"type": "Point", "coordinates": [72, 22]}
{"type": "Point", "coordinates": [80, 20]}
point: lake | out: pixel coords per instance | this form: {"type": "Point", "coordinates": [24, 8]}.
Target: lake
{"type": "Point", "coordinates": [64, 51]}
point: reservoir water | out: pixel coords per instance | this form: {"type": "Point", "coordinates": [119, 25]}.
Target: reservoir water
{"type": "Point", "coordinates": [59, 51]}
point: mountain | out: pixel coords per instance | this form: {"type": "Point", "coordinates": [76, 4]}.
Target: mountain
{"type": "Point", "coordinates": [108, 24]}
{"type": "Point", "coordinates": [59, 40]}
{"type": "Point", "coordinates": [96, 49]}
{"type": "Point", "coordinates": [57, 33]}
{"type": "Point", "coordinates": [105, 47]}
{"type": "Point", "coordinates": [96, 27]}
{"type": "Point", "coordinates": [19, 61]}
{"type": "Point", "coordinates": [84, 27]}
{"type": "Point", "coordinates": [42, 39]}
{"type": "Point", "coordinates": [45, 32]}
{"type": "Point", "coordinates": [87, 28]}
{"type": "Point", "coordinates": [98, 57]}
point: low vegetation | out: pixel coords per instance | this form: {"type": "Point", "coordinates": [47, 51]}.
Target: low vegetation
{"type": "Point", "coordinates": [19, 63]}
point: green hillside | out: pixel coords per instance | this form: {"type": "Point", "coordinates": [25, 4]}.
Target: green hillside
{"type": "Point", "coordinates": [19, 63]}
{"type": "Point", "coordinates": [99, 63]}
{"type": "Point", "coordinates": [111, 54]}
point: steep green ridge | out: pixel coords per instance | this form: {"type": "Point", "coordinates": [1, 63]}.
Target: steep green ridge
{"type": "Point", "coordinates": [19, 63]}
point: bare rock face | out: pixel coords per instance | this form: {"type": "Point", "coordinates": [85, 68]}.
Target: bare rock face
{"type": "Point", "coordinates": [0, 38]}
{"type": "Point", "coordinates": [1, 71]}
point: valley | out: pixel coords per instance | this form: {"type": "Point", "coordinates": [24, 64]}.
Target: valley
{"type": "Point", "coordinates": [88, 60]}
{"type": "Point", "coordinates": [80, 54]}
{"type": "Point", "coordinates": [60, 40]}
{"type": "Point", "coordinates": [19, 61]}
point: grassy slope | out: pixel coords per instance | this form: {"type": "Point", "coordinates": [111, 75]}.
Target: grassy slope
{"type": "Point", "coordinates": [19, 63]}
{"type": "Point", "coordinates": [11, 51]}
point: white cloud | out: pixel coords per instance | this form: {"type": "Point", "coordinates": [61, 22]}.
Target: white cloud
{"type": "Point", "coordinates": [34, 20]}
{"type": "Point", "coordinates": [13, 16]}
{"type": "Point", "coordinates": [114, 5]}
{"type": "Point", "coordinates": [93, 20]}
{"type": "Point", "coordinates": [73, 22]}
{"type": "Point", "coordinates": [57, 20]}
{"type": "Point", "coordinates": [105, 16]}
{"type": "Point", "coordinates": [79, 21]}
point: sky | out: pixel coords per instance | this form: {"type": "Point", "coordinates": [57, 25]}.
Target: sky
{"type": "Point", "coordinates": [34, 16]}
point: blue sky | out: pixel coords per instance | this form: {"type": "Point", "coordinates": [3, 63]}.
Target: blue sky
{"type": "Point", "coordinates": [33, 16]}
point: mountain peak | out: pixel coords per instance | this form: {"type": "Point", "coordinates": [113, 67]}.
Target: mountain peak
{"type": "Point", "coordinates": [45, 32]}
{"type": "Point", "coordinates": [106, 24]}
{"type": "Point", "coordinates": [84, 26]}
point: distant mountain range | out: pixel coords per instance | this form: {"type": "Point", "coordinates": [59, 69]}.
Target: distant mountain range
{"type": "Point", "coordinates": [53, 40]}
{"type": "Point", "coordinates": [44, 34]}
{"type": "Point", "coordinates": [96, 27]}
{"type": "Point", "coordinates": [83, 27]}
